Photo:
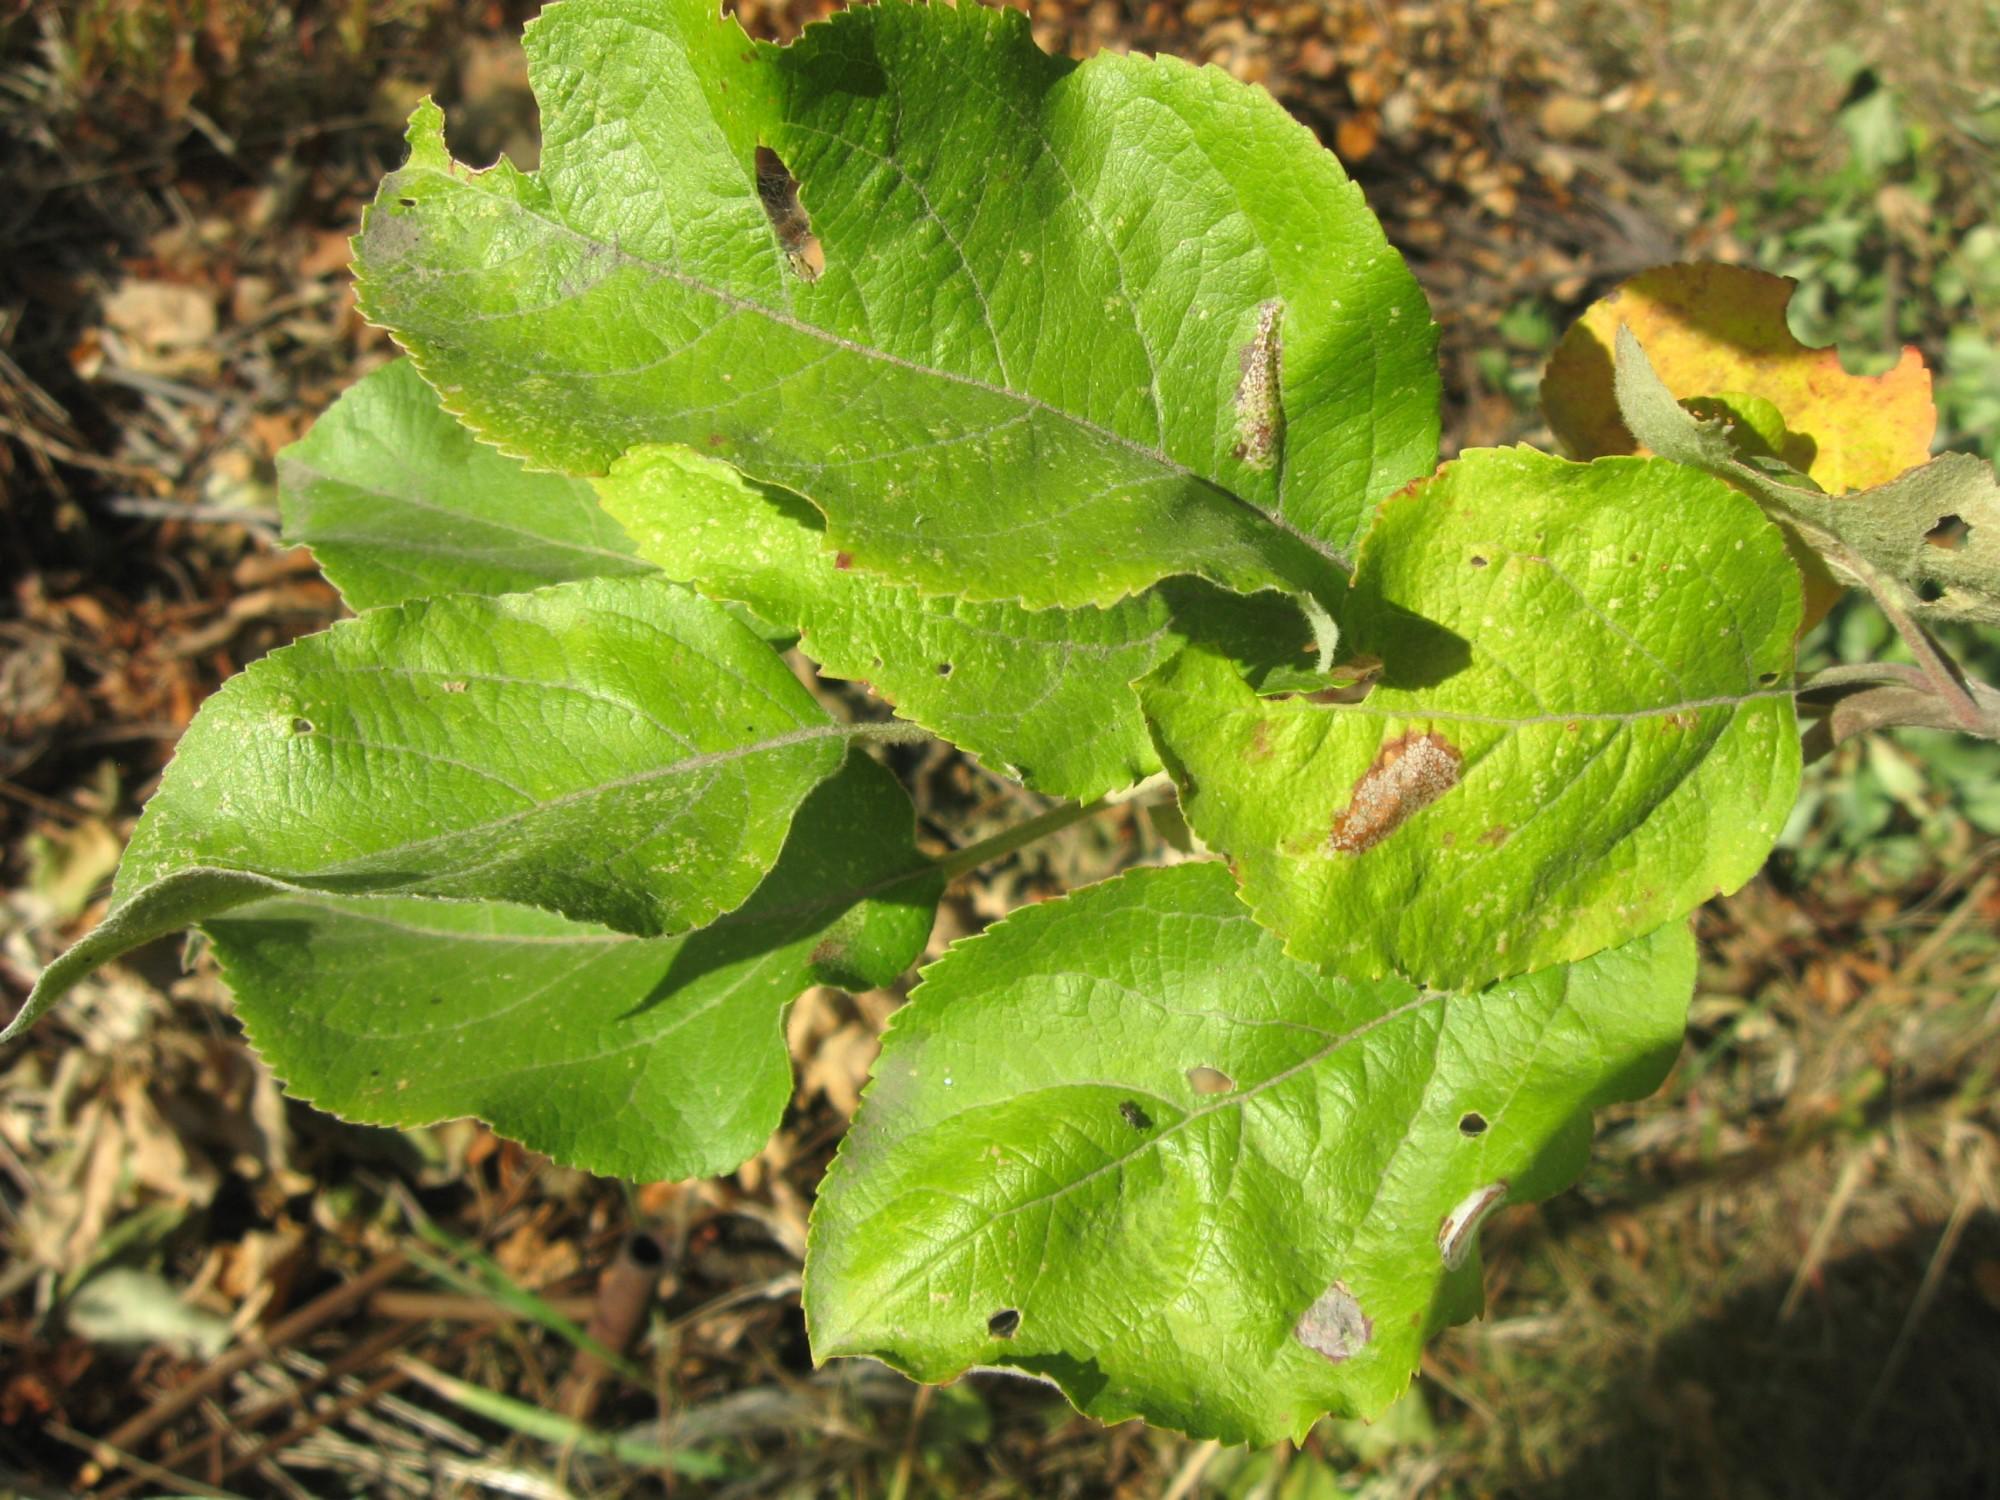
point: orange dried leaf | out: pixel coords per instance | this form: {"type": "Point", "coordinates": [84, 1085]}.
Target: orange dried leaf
{"type": "Point", "coordinates": [1710, 329]}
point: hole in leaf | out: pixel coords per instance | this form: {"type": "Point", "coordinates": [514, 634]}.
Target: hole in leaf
{"type": "Point", "coordinates": [1951, 533]}
{"type": "Point", "coordinates": [1478, 561]}
{"type": "Point", "coordinates": [1136, 1117]}
{"type": "Point", "coordinates": [1767, 678]}
{"type": "Point", "coordinates": [302, 726]}
{"type": "Point", "coordinates": [1005, 1323]}
{"type": "Point", "coordinates": [944, 669]}
{"type": "Point", "coordinates": [1929, 590]}
{"type": "Point", "coordinates": [1471, 1123]}
{"type": "Point", "coordinates": [1206, 1080]}
{"type": "Point", "coordinates": [778, 191]}
{"type": "Point", "coordinates": [645, 1251]}
{"type": "Point", "coordinates": [407, 202]}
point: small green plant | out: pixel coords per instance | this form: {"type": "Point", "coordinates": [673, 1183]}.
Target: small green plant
{"type": "Point", "coordinates": [1083, 412]}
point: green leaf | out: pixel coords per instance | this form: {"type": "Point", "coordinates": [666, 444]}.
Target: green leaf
{"type": "Point", "coordinates": [1122, 1141]}
{"type": "Point", "coordinates": [1930, 536]}
{"type": "Point", "coordinates": [398, 501]}
{"type": "Point", "coordinates": [1043, 695]}
{"type": "Point", "coordinates": [616, 750]}
{"type": "Point", "coordinates": [1079, 327]}
{"type": "Point", "coordinates": [645, 1058]}
{"type": "Point", "coordinates": [1583, 726]}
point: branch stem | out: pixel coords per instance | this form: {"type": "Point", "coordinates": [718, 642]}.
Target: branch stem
{"type": "Point", "coordinates": [1938, 669]}
{"type": "Point", "coordinates": [1035, 829]}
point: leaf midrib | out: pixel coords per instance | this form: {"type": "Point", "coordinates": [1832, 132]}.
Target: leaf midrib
{"type": "Point", "coordinates": [737, 303]}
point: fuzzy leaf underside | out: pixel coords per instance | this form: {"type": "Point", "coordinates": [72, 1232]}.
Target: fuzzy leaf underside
{"type": "Point", "coordinates": [615, 750]}
{"type": "Point", "coordinates": [1121, 1141]}
{"type": "Point", "coordinates": [1930, 535]}
{"type": "Point", "coordinates": [398, 501]}
{"type": "Point", "coordinates": [1043, 695]}
{"type": "Point", "coordinates": [643, 1058]}
{"type": "Point", "coordinates": [1583, 727]}
{"type": "Point", "coordinates": [1079, 327]}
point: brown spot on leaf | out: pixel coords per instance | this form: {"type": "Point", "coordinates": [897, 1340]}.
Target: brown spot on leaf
{"type": "Point", "coordinates": [1495, 836]}
{"type": "Point", "coordinates": [1259, 415]}
{"type": "Point", "coordinates": [1260, 741]}
{"type": "Point", "coordinates": [778, 191]}
{"type": "Point", "coordinates": [828, 950]}
{"type": "Point", "coordinates": [1409, 774]}
{"type": "Point", "coordinates": [1206, 1080]}
{"type": "Point", "coordinates": [843, 562]}
{"type": "Point", "coordinates": [1335, 1325]}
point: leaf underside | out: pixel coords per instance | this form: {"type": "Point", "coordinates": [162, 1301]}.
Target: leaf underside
{"type": "Point", "coordinates": [1583, 728]}
{"type": "Point", "coordinates": [615, 750]}
{"type": "Point", "coordinates": [1123, 1142]}
{"type": "Point", "coordinates": [1927, 539]}
{"type": "Point", "coordinates": [1158, 331]}
{"type": "Point", "coordinates": [1043, 695]}
{"type": "Point", "coordinates": [641, 1058]}
{"type": "Point", "coordinates": [399, 501]}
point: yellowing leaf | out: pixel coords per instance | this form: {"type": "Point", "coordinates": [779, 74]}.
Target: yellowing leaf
{"type": "Point", "coordinates": [1714, 330]}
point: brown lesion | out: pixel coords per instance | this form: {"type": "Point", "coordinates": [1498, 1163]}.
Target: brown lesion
{"type": "Point", "coordinates": [1408, 775]}
{"type": "Point", "coordinates": [1259, 410]}
{"type": "Point", "coordinates": [778, 191]}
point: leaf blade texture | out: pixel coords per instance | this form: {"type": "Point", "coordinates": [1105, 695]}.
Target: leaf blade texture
{"type": "Point", "coordinates": [1123, 1142]}
{"type": "Point", "coordinates": [1078, 328]}
{"type": "Point", "coordinates": [614, 750]}
{"type": "Point", "coordinates": [398, 501]}
{"type": "Point", "coordinates": [645, 1058]}
{"type": "Point", "coordinates": [1045, 696]}
{"type": "Point", "coordinates": [1583, 727]}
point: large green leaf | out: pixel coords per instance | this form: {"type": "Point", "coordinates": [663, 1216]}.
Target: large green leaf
{"type": "Point", "coordinates": [1044, 695]}
{"type": "Point", "coordinates": [398, 501]}
{"type": "Point", "coordinates": [616, 750]}
{"type": "Point", "coordinates": [646, 1058]}
{"type": "Point", "coordinates": [1122, 1141]}
{"type": "Point", "coordinates": [1079, 327]}
{"type": "Point", "coordinates": [1583, 726]}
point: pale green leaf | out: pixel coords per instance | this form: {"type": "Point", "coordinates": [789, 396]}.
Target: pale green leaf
{"type": "Point", "coordinates": [616, 750]}
{"type": "Point", "coordinates": [1043, 695]}
{"type": "Point", "coordinates": [1079, 327]}
{"type": "Point", "coordinates": [398, 501]}
{"type": "Point", "coordinates": [647, 1058]}
{"type": "Point", "coordinates": [1122, 1141]}
{"type": "Point", "coordinates": [1583, 726]}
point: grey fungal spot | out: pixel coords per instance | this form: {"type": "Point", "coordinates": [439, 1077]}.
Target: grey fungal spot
{"type": "Point", "coordinates": [1207, 1080]}
{"type": "Point", "coordinates": [1335, 1326]}
{"type": "Point", "coordinates": [1259, 414]}
{"type": "Point", "coordinates": [1459, 1228]}
{"type": "Point", "coordinates": [1134, 1116]}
